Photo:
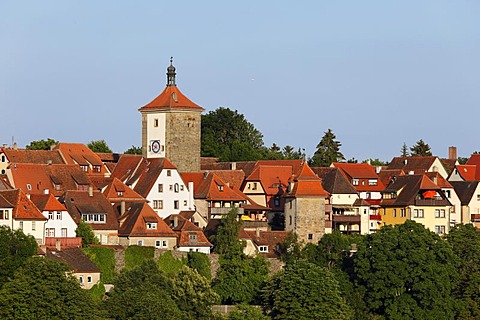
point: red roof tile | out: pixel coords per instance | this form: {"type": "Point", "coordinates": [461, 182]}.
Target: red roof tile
{"type": "Point", "coordinates": [467, 172]}
{"type": "Point", "coordinates": [184, 229]}
{"type": "Point", "coordinates": [271, 177]}
{"type": "Point", "coordinates": [117, 191]}
{"type": "Point", "coordinates": [78, 153]}
{"type": "Point", "coordinates": [210, 187]}
{"type": "Point", "coordinates": [133, 222]}
{"type": "Point", "coordinates": [47, 202]}
{"type": "Point", "coordinates": [24, 209]}
{"type": "Point", "coordinates": [171, 98]}
{"type": "Point", "coordinates": [33, 156]}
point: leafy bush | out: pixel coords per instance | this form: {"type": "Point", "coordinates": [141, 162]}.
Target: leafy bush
{"type": "Point", "coordinates": [169, 264]}
{"type": "Point", "coordinates": [104, 258]}
{"type": "Point", "coordinates": [136, 255]}
{"type": "Point", "coordinates": [199, 261]}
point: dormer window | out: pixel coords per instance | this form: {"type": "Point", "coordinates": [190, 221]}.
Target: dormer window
{"type": "Point", "coordinates": [151, 225]}
{"type": "Point", "coordinates": [120, 193]}
{"type": "Point", "coordinates": [355, 182]}
{"type": "Point", "coordinates": [29, 186]}
{"type": "Point", "coordinates": [96, 169]}
{"type": "Point", "coordinates": [220, 187]}
{"type": "Point", "coordinates": [372, 182]}
{"type": "Point", "coordinates": [263, 249]}
{"type": "Point", "coordinates": [193, 237]}
{"type": "Point", "coordinates": [57, 187]}
{"type": "Point", "coordinates": [84, 168]}
{"type": "Point", "coordinates": [176, 187]}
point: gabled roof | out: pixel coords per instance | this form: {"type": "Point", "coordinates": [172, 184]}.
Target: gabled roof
{"type": "Point", "coordinates": [465, 190]}
{"type": "Point", "coordinates": [474, 160]}
{"type": "Point", "coordinates": [133, 222]}
{"type": "Point", "coordinates": [249, 166]}
{"type": "Point", "coordinates": [80, 202]}
{"type": "Point", "coordinates": [149, 174]}
{"type": "Point", "coordinates": [233, 177]}
{"type": "Point", "coordinates": [23, 208]}
{"type": "Point", "coordinates": [117, 191]}
{"type": "Point", "coordinates": [468, 172]}
{"type": "Point", "coordinates": [265, 238]}
{"type": "Point", "coordinates": [4, 203]}
{"type": "Point", "coordinates": [33, 156]}
{"type": "Point", "coordinates": [333, 181]}
{"type": "Point", "coordinates": [47, 202]}
{"type": "Point", "coordinates": [271, 177]}
{"type": "Point", "coordinates": [360, 171]}
{"type": "Point", "coordinates": [210, 187]}
{"type": "Point", "coordinates": [385, 175]}
{"type": "Point", "coordinates": [35, 178]}
{"type": "Point", "coordinates": [416, 164]}
{"type": "Point", "coordinates": [407, 187]}
{"type": "Point", "coordinates": [4, 182]}
{"type": "Point", "coordinates": [126, 167]}
{"type": "Point", "coordinates": [78, 153]}
{"type": "Point", "coordinates": [184, 229]}
{"type": "Point", "coordinates": [74, 258]}
{"type": "Point", "coordinates": [171, 98]}
{"type": "Point", "coordinates": [440, 181]}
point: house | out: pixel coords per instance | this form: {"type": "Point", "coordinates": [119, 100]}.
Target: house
{"type": "Point", "coordinates": [418, 165]}
{"type": "Point", "coordinates": [416, 197]}
{"type": "Point", "coordinates": [190, 238]}
{"type": "Point", "coordinates": [18, 212]}
{"type": "Point", "coordinates": [140, 225]}
{"type": "Point", "coordinates": [171, 125]}
{"type": "Point", "coordinates": [117, 192]}
{"type": "Point", "coordinates": [60, 226]}
{"type": "Point", "coordinates": [305, 206]}
{"type": "Point", "coordinates": [95, 210]}
{"type": "Point", "coordinates": [158, 181]}
{"type": "Point", "coordinates": [468, 206]}
{"type": "Point", "coordinates": [363, 177]}
{"type": "Point", "coordinates": [43, 178]}
{"type": "Point", "coordinates": [463, 173]}
{"type": "Point", "coordinates": [264, 243]}
{"type": "Point", "coordinates": [15, 155]}
{"type": "Point", "coordinates": [80, 155]}
{"type": "Point", "coordinates": [450, 194]}
{"type": "Point", "coordinates": [87, 273]}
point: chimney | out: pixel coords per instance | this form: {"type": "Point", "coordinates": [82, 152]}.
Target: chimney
{"type": "Point", "coordinates": [175, 220]}
{"type": "Point", "coordinates": [122, 207]}
{"type": "Point", "coordinates": [15, 146]}
{"type": "Point", "coordinates": [90, 191]}
{"type": "Point", "coordinates": [233, 166]}
{"type": "Point", "coordinates": [452, 153]}
{"type": "Point", "coordinates": [58, 245]}
{"type": "Point", "coordinates": [257, 232]}
{"type": "Point", "coordinates": [435, 179]}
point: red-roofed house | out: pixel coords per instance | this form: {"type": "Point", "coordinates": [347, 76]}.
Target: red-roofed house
{"type": "Point", "coordinates": [14, 155]}
{"type": "Point", "coordinates": [264, 243]}
{"type": "Point", "coordinates": [363, 177]}
{"type": "Point", "coordinates": [141, 226]}
{"type": "Point", "coordinates": [189, 236]}
{"type": "Point", "coordinates": [20, 213]}
{"type": "Point", "coordinates": [418, 165]}
{"type": "Point", "coordinates": [464, 172]}
{"type": "Point", "coordinates": [79, 154]}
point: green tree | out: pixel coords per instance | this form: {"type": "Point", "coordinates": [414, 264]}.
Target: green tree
{"type": "Point", "coordinates": [41, 144]}
{"type": "Point", "coordinates": [99, 146]}
{"type": "Point", "coordinates": [133, 150]}
{"type": "Point", "coordinates": [328, 151]}
{"type": "Point", "coordinates": [200, 262]}
{"type": "Point", "coordinates": [143, 292]}
{"type": "Point", "coordinates": [169, 264]}
{"type": "Point", "coordinates": [226, 134]}
{"type": "Point", "coordinates": [462, 160]}
{"type": "Point", "coordinates": [404, 150]}
{"type": "Point", "coordinates": [86, 233]}
{"type": "Point", "coordinates": [406, 271]}
{"type": "Point", "coordinates": [305, 291]}
{"type": "Point", "coordinates": [465, 241]}
{"type": "Point", "coordinates": [15, 249]}
{"type": "Point", "coordinates": [420, 149]}
{"type": "Point", "coordinates": [226, 240]}
{"type": "Point", "coordinates": [43, 289]}
{"type": "Point", "coordinates": [245, 311]}
{"type": "Point", "coordinates": [193, 294]}
{"type": "Point", "coordinates": [376, 162]}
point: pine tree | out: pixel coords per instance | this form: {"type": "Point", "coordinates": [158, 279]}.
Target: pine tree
{"type": "Point", "coordinates": [420, 149]}
{"type": "Point", "coordinates": [404, 151]}
{"type": "Point", "coordinates": [328, 151]}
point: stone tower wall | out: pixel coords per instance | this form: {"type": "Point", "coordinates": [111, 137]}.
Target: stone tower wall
{"type": "Point", "coordinates": [183, 129]}
{"type": "Point", "coordinates": [308, 217]}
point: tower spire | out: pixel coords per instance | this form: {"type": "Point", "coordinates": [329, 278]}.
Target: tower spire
{"type": "Point", "coordinates": [171, 74]}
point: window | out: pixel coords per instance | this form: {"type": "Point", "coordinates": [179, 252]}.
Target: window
{"type": "Point", "coordinates": [310, 236]}
{"type": "Point", "coordinates": [80, 279]}
{"type": "Point", "coordinates": [140, 243]}
{"type": "Point", "coordinates": [276, 201]}
{"type": "Point", "coordinates": [164, 243]}
{"type": "Point", "coordinates": [160, 187]}
{"type": "Point", "coordinates": [478, 197]}
{"type": "Point", "coordinates": [33, 226]}
{"type": "Point", "coordinates": [155, 122]}
{"type": "Point", "coordinates": [29, 186]}
{"type": "Point", "coordinates": [254, 186]}
{"type": "Point", "coordinates": [181, 187]}
{"type": "Point", "coordinates": [3, 158]}
{"type": "Point", "coordinates": [176, 188]}
{"type": "Point", "coordinates": [290, 219]}
{"type": "Point", "coordinates": [263, 248]}
{"type": "Point", "coordinates": [50, 233]}
{"type": "Point", "coordinates": [64, 232]}
{"type": "Point", "coordinates": [21, 225]}
{"type": "Point", "coordinates": [418, 213]}
{"type": "Point", "coordinates": [96, 169]}
{"type": "Point", "coordinates": [57, 187]}
{"type": "Point", "coordinates": [403, 213]}
{"type": "Point", "coordinates": [169, 173]}
{"type": "Point", "coordinates": [157, 204]}
{"type": "Point", "coordinates": [185, 203]}
{"type": "Point", "coordinates": [3, 214]}
{"type": "Point", "coordinates": [120, 193]}
{"type": "Point", "coordinates": [368, 195]}
{"type": "Point", "coordinates": [439, 213]}
{"type": "Point", "coordinates": [193, 237]}
{"type": "Point", "coordinates": [394, 213]}
{"type": "Point", "coordinates": [355, 182]}
{"type": "Point", "coordinates": [84, 168]}
{"type": "Point", "coordinates": [151, 225]}
{"type": "Point", "coordinates": [157, 243]}
{"type": "Point", "coordinates": [176, 204]}
{"type": "Point", "coordinates": [220, 187]}
{"type": "Point", "coordinates": [447, 193]}
{"type": "Point", "coordinates": [50, 215]}
{"type": "Point", "coordinates": [439, 229]}
{"type": "Point", "coordinates": [94, 217]}
{"type": "Point", "coordinates": [170, 187]}
{"type": "Point", "coordinates": [59, 215]}
{"type": "Point", "coordinates": [372, 182]}
{"type": "Point", "coordinates": [89, 279]}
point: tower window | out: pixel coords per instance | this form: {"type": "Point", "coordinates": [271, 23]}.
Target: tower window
{"type": "Point", "coordinates": [155, 122]}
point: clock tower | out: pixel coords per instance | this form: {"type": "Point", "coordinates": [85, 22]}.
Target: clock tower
{"type": "Point", "coordinates": [171, 126]}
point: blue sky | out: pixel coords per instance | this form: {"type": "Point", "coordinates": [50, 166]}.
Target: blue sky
{"type": "Point", "coordinates": [378, 73]}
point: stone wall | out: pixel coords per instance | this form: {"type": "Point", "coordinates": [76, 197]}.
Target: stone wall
{"type": "Point", "coordinates": [308, 218]}
{"type": "Point", "coordinates": [183, 129]}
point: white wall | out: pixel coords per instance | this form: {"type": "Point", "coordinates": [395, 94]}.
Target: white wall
{"type": "Point", "coordinates": [66, 222]}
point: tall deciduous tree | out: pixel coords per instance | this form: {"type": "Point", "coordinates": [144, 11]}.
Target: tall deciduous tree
{"type": "Point", "coordinates": [226, 240]}
{"type": "Point", "coordinates": [15, 249]}
{"type": "Point", "coordinates": [328, 151]}
{"type": "Point", "coordinates": [85, 232]}
{"type": "Point", "coordinates": [41, 144]}
{"type": "Point", "coordinates": [305, 291]}
{"type": "Point", "coordinates": [465, 241]}
{"type": "Point", "coordinates": [226, 134]}
{"type": "Point", "coordinates": [99, 146]}
{"type": "Point", "coordinates": [420, 149]}
{"type": "Point", "coordinates": [44, 289]}
{"type": "Point", "coordinates": [407, 273]}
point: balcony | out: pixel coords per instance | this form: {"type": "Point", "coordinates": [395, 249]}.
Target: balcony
{"type": "Point", "coordinates": [223, 210]}
{"type": "Point", "coordinates": [375, 217]}
{"type": "Point", "coordinates": [475, 217]}
{"type": "Point", "coordinates": [64, 242]}
{"type": "Point", "coordinates": [432, 202]}
{"type": "Point", "coordinates": [346, 218]}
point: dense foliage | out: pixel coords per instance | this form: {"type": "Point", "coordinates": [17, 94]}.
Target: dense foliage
{"type": "Point", "coordinates": [134, 150]}
{"type": "Point", "coordinates": [420, 149]}
{"type": "Point", "coordinates": [136, 255]}
{"type": "Point", "coordinates": [328, 151]}
{"type": "Point", "coordinates": [41, 144]}
{"type": "Point", "coordinates": [15, 249]}
{"type": "Point", "coordinates": [85, 231]}
{"type": "Point", "coordinates": [99, 146]}
{"type": "Point", "coordinates": [225, 241]}
{"type": "Point", "coordinates": [104, 258]}
{"type": "Point", "coordinates": [200, 262]}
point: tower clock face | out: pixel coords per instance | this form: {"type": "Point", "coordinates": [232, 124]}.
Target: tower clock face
{"type": "Point", "coordinates": [155, 146]}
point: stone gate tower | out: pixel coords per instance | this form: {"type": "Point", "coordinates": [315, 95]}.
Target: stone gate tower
{"type": "Point", "coordinates": [171, 126]}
